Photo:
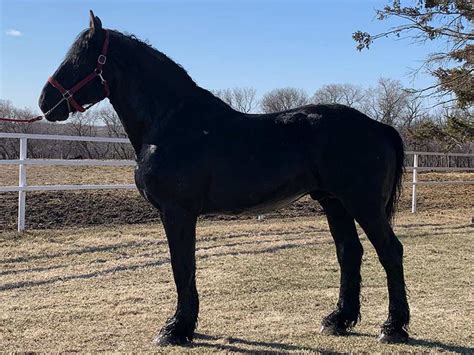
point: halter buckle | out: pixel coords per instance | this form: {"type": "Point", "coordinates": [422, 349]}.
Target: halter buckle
{"type": "Point", "coordinates": [102, 59]}
{"type": "Point", "coordinates": [98, 72]}
{"type": "Point", "coordinates": [67, 95]}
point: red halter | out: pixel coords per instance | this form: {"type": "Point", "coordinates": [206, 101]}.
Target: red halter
{"type": "Point", "coordinates": [68, 94]}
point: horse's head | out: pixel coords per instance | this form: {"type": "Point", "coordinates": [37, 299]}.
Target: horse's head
{"type": "Point", "coordinates": [79, 79]}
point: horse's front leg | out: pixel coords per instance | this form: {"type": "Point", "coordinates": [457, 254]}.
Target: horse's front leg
{"type": "Point", "coordinates": [180, 228]}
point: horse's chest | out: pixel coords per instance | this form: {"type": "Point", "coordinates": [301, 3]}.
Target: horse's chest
{"type": "Point", "coordinates": [141, 183]}
{"type": "Point", "coordinates": [164, 178]}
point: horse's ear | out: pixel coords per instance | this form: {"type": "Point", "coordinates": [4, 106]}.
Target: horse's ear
{"type": "Point", "coordinates": [94, 23]}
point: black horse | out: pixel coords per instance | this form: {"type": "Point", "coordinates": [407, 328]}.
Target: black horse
{"type": "Point", "coordinates": [196, 155]}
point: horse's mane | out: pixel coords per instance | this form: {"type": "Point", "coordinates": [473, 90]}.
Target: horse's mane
{"type": "Point", "coordinates": [155, 53]}
{"type": "Point", "coordinates": [82, 43]}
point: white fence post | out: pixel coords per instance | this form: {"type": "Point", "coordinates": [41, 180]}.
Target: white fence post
{"type": "Point", "coordinates": [22, 183]}
{"type": "Point", "coordinates": [415, 180]}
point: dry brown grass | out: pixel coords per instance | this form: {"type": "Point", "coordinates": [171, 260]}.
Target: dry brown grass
{"type": "Point", "coordinates": [64, 175]}
{"type": "Point", "coordinates": [264, 286]}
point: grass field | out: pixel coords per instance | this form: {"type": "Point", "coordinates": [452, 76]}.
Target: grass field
{"type": "Point", "coordinates": [264, 286]}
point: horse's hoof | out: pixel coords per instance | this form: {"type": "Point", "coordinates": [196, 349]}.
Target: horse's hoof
{"type": "Point", "coordinates": [393, 337]}
{"type": "Point", "coordinates": [332, 330]}
{"type": "Point", "coordinates": [170, 339]}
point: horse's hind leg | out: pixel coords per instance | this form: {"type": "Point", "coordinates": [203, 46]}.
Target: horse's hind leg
{"type": "Point", "coordinates": [390, 252]}
{"type": "Point", "coordinates": [180, 229]}
{"type": "Point", "coordinates": [349, 254]}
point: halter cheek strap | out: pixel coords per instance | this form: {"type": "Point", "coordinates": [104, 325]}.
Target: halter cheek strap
{"type": "Point", "coordinates": [68, 95]}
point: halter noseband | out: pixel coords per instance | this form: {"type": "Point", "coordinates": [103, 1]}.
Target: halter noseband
{"type": "Point", "coordinates": [97, 72]}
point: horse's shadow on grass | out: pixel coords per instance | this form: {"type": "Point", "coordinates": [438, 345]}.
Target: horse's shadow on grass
{"type": "Point", "coordinates": [436, 345]}
{"type": "Point", "coordinates": [235, 344]}
{"type": "Point", "coordinates": [133, 267]}
{"type": "Point", "coordinates": [441, 346]}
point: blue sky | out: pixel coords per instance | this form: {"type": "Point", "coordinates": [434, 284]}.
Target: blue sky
{"type": "Point", "coordinates": [222, 43]}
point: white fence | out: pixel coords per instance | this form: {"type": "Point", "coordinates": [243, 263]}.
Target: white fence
{"type": "Point", "coordinates": [23, 187]}
{"type": "Point", "coordinates": [415, 169]}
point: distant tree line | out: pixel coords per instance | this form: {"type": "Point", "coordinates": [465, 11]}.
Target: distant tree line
{"type": "Point", "coordinates": [423, 128]}
{"type": "Point", "coordinates": [102, 122]}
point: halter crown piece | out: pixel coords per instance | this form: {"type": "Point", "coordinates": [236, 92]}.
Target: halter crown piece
{"type": "Point", "coordinates": [68, 95]}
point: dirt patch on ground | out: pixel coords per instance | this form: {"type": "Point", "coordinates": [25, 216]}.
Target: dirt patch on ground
{"type": "Point", "coordinates": [264, 287]}
{"type": "Point", "coordinates": [85, 208]}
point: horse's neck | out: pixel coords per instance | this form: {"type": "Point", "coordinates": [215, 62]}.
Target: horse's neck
{"type": "Point", "coordinates": [143, 99]}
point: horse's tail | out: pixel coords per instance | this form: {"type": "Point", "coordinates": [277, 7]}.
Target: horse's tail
{"type": "Point", "coordinates": [397, 144]}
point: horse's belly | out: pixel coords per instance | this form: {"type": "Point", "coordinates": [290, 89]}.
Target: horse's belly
{"type": "Point", "coordinates": [240, 194]}
{"type": "Point", "coordinates": [262, 207]}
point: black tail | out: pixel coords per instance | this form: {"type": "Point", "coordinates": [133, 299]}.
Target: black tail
{"type": "Point", "coordinates": [399, 170]}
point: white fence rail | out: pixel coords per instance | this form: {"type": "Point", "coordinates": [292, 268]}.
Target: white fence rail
{"type": "Point", "coordinates": [23, 186]}
{"type": "Point", "coordinates": [415, 169]}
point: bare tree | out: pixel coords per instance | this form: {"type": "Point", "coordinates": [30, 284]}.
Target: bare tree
{"type": "Point", "coordinates": [446, 130]}
{"type": "Point", "coordinates": [414, 112]}
{"type": "Point", "coordinates": [345, 94]}
{"type": "Point", "coordinates": [8, 110]}
{"type": "Point", "coordinates": [114, 129]}
{"type": "Point", "coordinates": [241, 99]}
{"type": "Point", "coordinates": [283, 99]}
{"type": "Point", "coordinates": [446, 21]}
{"type": "Point", "coordinates": [389, 102]}
{"type": "Point", "coordinates": [10, 147]}
{"type": "Point", "coordinates": [84, 124]}
{"type": "Point", "coordinates": [113, 125]}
